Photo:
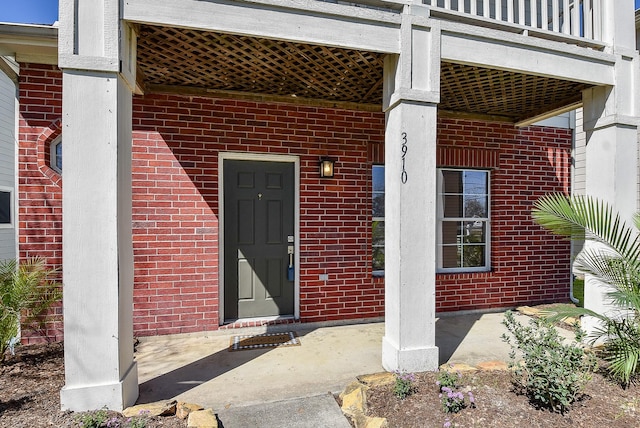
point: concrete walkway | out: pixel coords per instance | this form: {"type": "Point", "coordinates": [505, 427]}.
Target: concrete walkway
{"type": "Point", "coordinates": [242, 385]}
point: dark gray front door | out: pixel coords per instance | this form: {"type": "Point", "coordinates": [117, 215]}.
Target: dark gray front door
{"type": "Point", "coordinates": [258, 219]}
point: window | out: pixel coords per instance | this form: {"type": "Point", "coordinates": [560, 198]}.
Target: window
{"type": "Point", "coordinates": [6, 208]}
{"type": "Point", "coordinates": [377, 226]}
{"type": "Point", "coordinates": [55, 160]}
{"type": "Point", "coordinates": [463, 220]}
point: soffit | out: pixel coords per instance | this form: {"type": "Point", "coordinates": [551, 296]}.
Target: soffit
{"type": "Point", "coordinates": [217, 63]}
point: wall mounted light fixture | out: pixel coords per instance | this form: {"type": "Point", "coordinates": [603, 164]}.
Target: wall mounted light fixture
{"type": "Point", "coordinates": [326, 167]}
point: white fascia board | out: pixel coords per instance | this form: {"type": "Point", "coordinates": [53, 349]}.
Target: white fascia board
{"type": "Point", "coordinates": [304, 21]}
{"type": "Point", "coordinates": [29, 43]}
{"type": "Point", "coordinates": [466, 44]}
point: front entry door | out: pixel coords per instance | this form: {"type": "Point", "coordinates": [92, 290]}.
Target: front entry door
{"type": "Point", "coordinates": [258, 221]}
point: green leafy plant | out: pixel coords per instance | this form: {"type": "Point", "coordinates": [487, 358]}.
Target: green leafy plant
{"type": "Point", "coordinates": [448, 378]}
{"type": "Point", "coordinates": [27, 292]}
{"type": "Point", "coordinates": [404, 385]}
{"type": "Point", "coordinates": [613, 261]}
{"type": "Point", "coordinates": [94, 419]}
{"type": "Point", "coordinates": [452, 399]}
{"type": "Point", "coordinates": [137, 422]}
{"type": "Point", "coordinates": [552, 373]}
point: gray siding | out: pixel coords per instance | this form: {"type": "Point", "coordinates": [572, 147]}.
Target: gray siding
{"type": "Point", "coordinates": [8, 159]}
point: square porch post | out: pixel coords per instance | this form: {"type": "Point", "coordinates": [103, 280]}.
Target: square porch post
{"type": "Point", "coordinates": [611, 127]}
{"type": "Point", "coordinates": [97, 238]}
{"type": "Point", "coordinates": [412, 83]}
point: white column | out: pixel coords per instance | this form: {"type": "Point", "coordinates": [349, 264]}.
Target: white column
{"type": "Point", "coordinates": [610, 123]}
{"type": "Point", "coordinates": [97, 241]}
{"type": "Point", "coordinates": [412, 85]}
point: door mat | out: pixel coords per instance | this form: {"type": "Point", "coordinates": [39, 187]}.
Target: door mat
{"type": "Point", "coordinates": [263, 341]}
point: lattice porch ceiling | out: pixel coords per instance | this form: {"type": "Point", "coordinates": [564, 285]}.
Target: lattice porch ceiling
{"type": "Point", "coordinates": [182, 58]}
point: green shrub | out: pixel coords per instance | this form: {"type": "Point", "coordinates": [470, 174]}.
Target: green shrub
{"type": "Point", "coordinates": [448, 379]}
{"type": "Point", "coordinates": [26, 293]}
{"type": "Point", "coordinates": [94, 419]}
{"type": "Point", "coordinates": [453, 400]}
{"type": "Point", "coordinates": [552, 373]}
{"type": "Point", "coordinates": [405, 385]}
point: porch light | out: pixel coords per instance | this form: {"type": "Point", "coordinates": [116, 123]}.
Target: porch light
{"type": "Point", "coordinates": [326, 168]}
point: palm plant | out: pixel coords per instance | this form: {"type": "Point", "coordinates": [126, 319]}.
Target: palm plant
{"type": "Point", "coordinates": [26, 293]}
{"type": "Point", "coordinates": [614, 261]}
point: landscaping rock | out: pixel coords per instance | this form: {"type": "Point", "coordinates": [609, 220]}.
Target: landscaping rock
{"type": "Point", "coordinates": [528, 310]}
{"type": "Point", "coordinates": [458, 367]}
{"type": "Point", "coordinates": [377, 379]}
{"type": "Point", "coordinates": [160, 408]}
{"type": "Point", "coordinates": [376, 423]}
{"type": "Point", "coordinates": [353, 403]}
{"type": "Point", "coordinates": [492, 365]}
{"type": "Point", "coordinates": [574, 322]}
{"type": "Point", "coordinates": [350, 388]}
{"type": "Point", "coordinates": [354, 400]}
{"type": "Point", "coordinates": [202, 419]}
{"type": "Point", "coordinates": [183, 409]}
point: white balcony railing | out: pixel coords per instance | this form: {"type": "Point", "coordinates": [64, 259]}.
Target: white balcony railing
{"type": "Point", "coordinates": [579, 18]}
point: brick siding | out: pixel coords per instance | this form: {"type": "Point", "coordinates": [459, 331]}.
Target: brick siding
{"type": "Point", "coordinates": [176, 142]}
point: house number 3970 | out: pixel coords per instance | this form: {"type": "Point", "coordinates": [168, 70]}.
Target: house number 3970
{"type": "Point", "coordinates": [403, 176]}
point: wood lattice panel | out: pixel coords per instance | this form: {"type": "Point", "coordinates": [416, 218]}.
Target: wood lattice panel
{"type": "Point", "coordinates": [487, 91]}
{"type": "Point", "coordinates": [172, 56]}
{"type": "Point", "coordinates": [175, 57]}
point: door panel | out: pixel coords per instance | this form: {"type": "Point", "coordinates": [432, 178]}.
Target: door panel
{"type": "Point", "coordinates": [259, 215]}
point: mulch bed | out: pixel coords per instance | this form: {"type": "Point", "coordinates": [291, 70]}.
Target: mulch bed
{"type": "Point", "coordinates": [498, 405]}
{"type": "Point", "coordinates": [30, 384]}
{"type": "Point", "coordinates": [31, 381]}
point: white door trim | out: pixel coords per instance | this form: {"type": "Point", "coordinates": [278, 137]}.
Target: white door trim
{"type": "Point", "coordinates": [222, 156]}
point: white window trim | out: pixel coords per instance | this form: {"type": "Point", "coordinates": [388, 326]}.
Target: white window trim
{"type": "Point", "coordinates": [52, 154]}
{"type": "Point", "coordinates": [12, 203]}
{"type": "Point", "coordinates": [440, 218]}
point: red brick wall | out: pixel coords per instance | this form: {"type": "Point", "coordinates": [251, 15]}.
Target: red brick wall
{"type": "Point", "coordinates": [40, 187]}
{"type": "Point", "coordinates": [175, 224]}
{"type": "Point", "coordinates": [176, 145]}
{"type": "Point", "coordinates": [528, 265]}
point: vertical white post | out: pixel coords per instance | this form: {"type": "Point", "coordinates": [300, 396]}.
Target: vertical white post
{"type": "Point", "coordinates": [486, 10]}
{"type": "Point", "coordinates": [97, 244]}
{"type": "Point", "coordinates": [566, 18]}
{"type": "Point", "coordinates": [510, 8]}
{"type": "Point", "coordinates": [534, 13]}
{"type": "Point", "coordinates": [498, 6]}
{"type": "Point", "coordinates": [521, 12]}
{"type": "Point", "coordinates": [544, 15]}
{"type": "Point", "coordinates": [595, 18]}
{"type": "Point", "coordinates": [555, 15]}
{"type": "Point", "coordinates": [412, 82]}
{"type": "Point", "coordinates": [611, 122]}
{"type": "Point", "coordinates": [575, 19]}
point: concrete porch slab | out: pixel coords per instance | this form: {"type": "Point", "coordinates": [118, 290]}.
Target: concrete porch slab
{"type": "Point", "coordinates": [200, 369]}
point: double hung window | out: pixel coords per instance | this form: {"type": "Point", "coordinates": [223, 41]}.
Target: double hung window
{"type": "Point", "coordinates": [463, 220]}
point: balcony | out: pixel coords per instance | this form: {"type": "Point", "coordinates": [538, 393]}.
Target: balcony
{"type": "Point", "coordinates": [572, 21]}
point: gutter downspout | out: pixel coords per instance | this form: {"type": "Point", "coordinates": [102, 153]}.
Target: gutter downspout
{"type": "Point", "coordinates": [572, 126]}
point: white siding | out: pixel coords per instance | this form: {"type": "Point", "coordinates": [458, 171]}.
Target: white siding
{"type": "Point", "coordinates": [8, 159]}
{"type": "Point", "coordinates": [579, 157]}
